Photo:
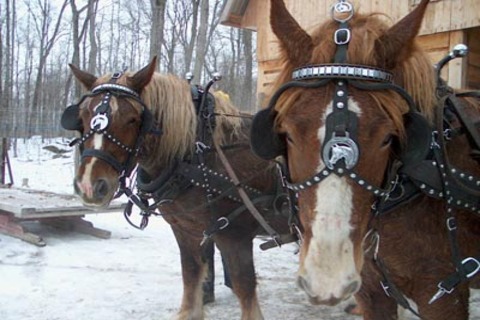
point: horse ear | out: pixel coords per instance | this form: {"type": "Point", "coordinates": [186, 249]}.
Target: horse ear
{"type": "Point", "coordinates": [295, 41]}
{"type": "Point", "coordinates": [395, 45]}
{"type": "Point", "coordinates": [85, 78]}
{"type": "Point", "coordinates": [142, 77]}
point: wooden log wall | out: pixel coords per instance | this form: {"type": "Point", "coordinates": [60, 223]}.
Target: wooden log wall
{"type": "Point", "coordinates": [446, 23]}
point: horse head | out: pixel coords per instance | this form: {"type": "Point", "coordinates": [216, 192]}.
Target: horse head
{"type": "Point", "coordinates": [341, 122]}
{"type": "Point", "coordinates": [113, 121]}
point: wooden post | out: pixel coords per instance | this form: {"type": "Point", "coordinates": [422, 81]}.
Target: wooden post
{"type": "Point", "coordinates": [3, 162]}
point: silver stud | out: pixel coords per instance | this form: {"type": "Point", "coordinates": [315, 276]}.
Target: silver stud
{"type": "Point", "coordinates": [340, 93]}
{"type": "Point", "coordinates": [423, 186]}
{"type": "Point", "coordinates": [340, 105]}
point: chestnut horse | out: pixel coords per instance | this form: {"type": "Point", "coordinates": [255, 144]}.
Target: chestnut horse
{"type": "Point", "coordinates": [385, 166]}
{"type": "Point", "coordinates": [193, 192]}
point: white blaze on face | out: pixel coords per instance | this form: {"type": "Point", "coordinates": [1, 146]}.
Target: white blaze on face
{"type": "Point", "coordinates": [329, 264]}
{"type": "Point", "coordinates": [86, 183]}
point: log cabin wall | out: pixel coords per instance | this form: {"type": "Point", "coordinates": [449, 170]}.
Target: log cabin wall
{"type": "Point", "coordinates": [446, 23]}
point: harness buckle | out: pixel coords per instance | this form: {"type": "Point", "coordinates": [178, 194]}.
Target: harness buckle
{"type": "Point", "coordinates": [452, 224]}
{"type": "Point", "coordinates": [342, 36]}
{"type": "Point", "coordinates": [200, 147]}
{"type": "Point", "coordinates": [476, 266]}
{"type": "Point", "coordinates": [434, 144]}
{"type": "Point", "coordinates": [294, 229]}
{"type": "Point", "coordinates": [386, 288]}
{"type": "Point", "coordinates": [225, 221]}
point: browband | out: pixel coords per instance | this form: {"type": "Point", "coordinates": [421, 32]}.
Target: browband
{"type": "Point", "coordinates": [341, 71]}
{"type": "Point", "coordinates": [114, 87]}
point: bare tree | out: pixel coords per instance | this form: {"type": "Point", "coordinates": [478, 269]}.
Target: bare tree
{"type": "Point", "coordinates": [202, 40]}
{"type": "Point", "coordinates": [47, 40]}
{"type": "Point", "coordinates": [91, 16]}
{"type": "Point", "coordinates": [248, 77]}
{"type": "Point", "coordinates": [157, 27]}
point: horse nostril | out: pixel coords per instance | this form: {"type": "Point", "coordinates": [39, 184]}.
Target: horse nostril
{"type": "Point", "coordinates": [303, 284]}
{"type": "Point", "coordinates": [351, 288]}
{"type": "Point", "coordinates": [101, 188]}
{"type": "Point", "coordinates": [76, 188]}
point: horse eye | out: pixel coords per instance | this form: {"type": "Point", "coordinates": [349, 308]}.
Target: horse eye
{"type": "Point", "coordinates": [132, 121]}
{"type": "Point", "coordinates": [387, 141]}
{"type": "Point", "coordinates": [289, 138]}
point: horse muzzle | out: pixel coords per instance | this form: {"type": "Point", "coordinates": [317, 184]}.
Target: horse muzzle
{"type": "Point", "coordinates": [96, 194]}
{"type": "Point", "coordinates": [345, 293]}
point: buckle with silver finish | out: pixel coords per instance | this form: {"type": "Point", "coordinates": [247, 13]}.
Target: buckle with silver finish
{"type": "Point", "coordinates": [342, 36]}
{"type": "Point", "coordinates": [341, 7]}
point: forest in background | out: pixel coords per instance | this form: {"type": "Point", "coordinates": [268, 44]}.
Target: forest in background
{"type": "Point", "coordinates": [39, 38]}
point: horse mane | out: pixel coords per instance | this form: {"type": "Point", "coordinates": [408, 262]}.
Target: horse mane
{"type": "Point", "coordinates": [415, 74]}
{"type": "Point", "coordinates": [170, 101]}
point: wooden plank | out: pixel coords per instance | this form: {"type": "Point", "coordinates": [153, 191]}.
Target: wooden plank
{"type": "Point", "coordinates": [465, 14]}
{"type": "Point", "coordinates": [250, 18]}
{"type": "Point", "coordinates": [32, 204]}
{"type": "Point", "coordinates": [437, 17]}
{"type": "Point", "coordinates": [77, 224]}
{"type": "Point", "coordinates": [473, 80]}
{"type": "Point", "coordinates": [10, 227]}
{"type": "Point", "coordinates": [435, 42]}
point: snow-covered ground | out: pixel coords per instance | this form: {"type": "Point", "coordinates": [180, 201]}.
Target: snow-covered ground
{"type": "Point", "coordinates": [133, 275]}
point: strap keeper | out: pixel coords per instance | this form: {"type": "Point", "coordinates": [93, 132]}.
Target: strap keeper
{"type": "Point", "coordinates": [342, 36]}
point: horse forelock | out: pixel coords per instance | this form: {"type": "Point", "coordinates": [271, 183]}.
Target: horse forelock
{"type": "Point", "coordinates": [415, 74]}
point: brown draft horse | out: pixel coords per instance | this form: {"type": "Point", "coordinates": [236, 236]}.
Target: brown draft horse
{"type": "Point", "coordinates": [350, 128]}
{"type": "Point", "coordinates": [119, 111]}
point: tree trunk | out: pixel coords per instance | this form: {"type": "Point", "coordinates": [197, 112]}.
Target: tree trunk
{"type": "Point", "coordinates": [156, 31]}
{"type": "Point", "coordinates": [247, 82]}
{"type": "Point", "coordinates": [193, 37]}
{"type": "Point", "coordinates": [92, 57]}
{"type": "Point", "coordinates": [202, 41]}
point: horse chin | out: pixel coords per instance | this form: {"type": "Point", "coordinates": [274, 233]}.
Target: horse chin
{"type": "Point", "coordinates": [96, 204]}
{"type": "Point", "coordinates": [330, 302]}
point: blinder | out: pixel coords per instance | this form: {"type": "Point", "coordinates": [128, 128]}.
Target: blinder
{"type": "Point", "coordinates": [70, 119]}
{"type": "Point", "coordinates": [418, 139]}
{"type": "Point", "coordinates": [265, 142]}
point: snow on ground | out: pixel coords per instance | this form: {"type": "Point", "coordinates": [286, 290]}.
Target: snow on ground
{"type": "Point", "coordinates": [134, 274]}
